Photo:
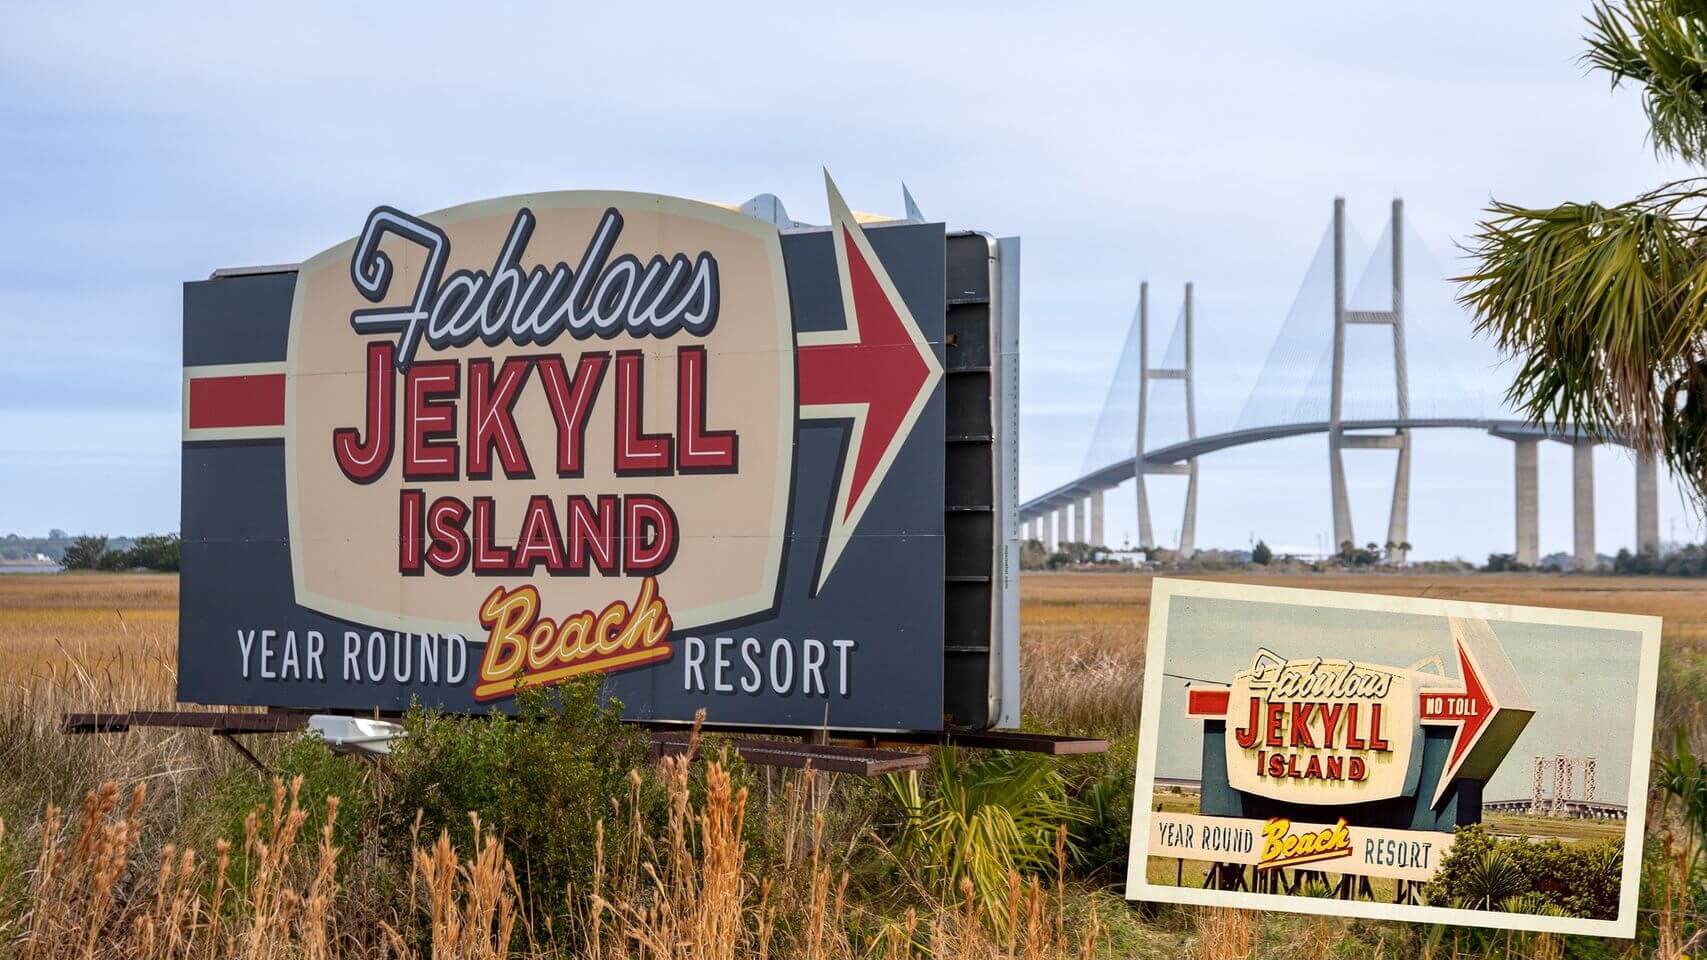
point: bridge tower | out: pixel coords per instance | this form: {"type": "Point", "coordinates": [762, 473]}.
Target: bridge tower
{"type": "Point", "coordinates": [1141, 468]}
{"type": "Point", "coordinates": [1399, 518]}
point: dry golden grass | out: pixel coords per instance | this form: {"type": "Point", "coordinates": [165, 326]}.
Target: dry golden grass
{"type": "Point", "coordinates": [93, 642]}
{"type": "Point", "coordinates": [688, 892]}
{"type": "Point", "coordinates": [90, 641]}
{"type": "Point", "coordinates": [109, 642]}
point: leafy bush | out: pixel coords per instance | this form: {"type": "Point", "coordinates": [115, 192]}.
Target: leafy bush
{"type": "Point", "coordinates": [1102, 837]}
{"type": "Point", "coordinates": [543, 778]}
{"type": "Point", "coordinates": [980, 820]}
{"type": "Point", "coordinates": [152, 552]}
{"type": "Point", "coordinates": [1484, 872]}
{"type": "Point", "coordinates": [239, 791]}
{"type": "Point", "coordinates": [84, 553]}
{"type": "Point", "coordinates": [1675, 877]}
{"type": "Point", "coordinates": [1683, 778]}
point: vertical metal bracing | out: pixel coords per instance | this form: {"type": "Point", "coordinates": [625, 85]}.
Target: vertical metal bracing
{"type": "Point", "coordinates": [1535, 790]}
{"type": "Point", "coordinates": [1398, 521]}
{"type": "Point", "coordinates": [1142, 468]}
{"type": "Point", "coordinates": [1561, 783]}
{"type": "Point", "coordinates": [1588, 778]}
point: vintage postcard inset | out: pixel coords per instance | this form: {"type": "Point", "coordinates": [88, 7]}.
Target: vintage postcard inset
{"type": "Point", "coordinates": [1393, 758]}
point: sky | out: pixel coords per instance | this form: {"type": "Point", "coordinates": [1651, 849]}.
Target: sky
{"type": "Point", "coordinates": [144, 147]}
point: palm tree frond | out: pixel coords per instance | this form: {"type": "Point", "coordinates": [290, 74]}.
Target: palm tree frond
{"type": "Point", "coordinates": [1605, 309]}
{"type": "Point", "coordinates": [1662, 45]}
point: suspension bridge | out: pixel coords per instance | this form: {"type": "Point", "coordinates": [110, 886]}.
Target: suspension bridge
{"type": "Point", "coordinates": [1352, 364]}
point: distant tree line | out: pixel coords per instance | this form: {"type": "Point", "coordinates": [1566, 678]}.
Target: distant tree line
{"type": "Point", "coordinates": [21, 549]}
{"type": "Point", "coordinates": [1035, 555]}
{"type": "Point", "coordinates": [1686, 561]}
{"type": "Point", "coordinates": [153, 552]}
{"type": "Point", "coordinates": [1689, 560]}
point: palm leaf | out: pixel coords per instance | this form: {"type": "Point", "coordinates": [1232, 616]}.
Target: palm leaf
{"type": "Point", "coordinates": [1662, 45]}
{"type": "Point", "coordinates": [1604, 310]}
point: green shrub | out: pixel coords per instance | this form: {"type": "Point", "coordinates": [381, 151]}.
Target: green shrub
{"type": "Point", "coordinates": [980, 820]}
{"type": "Point", "coordinates": [12, 888]}
{"type": "Point", "coordinates": [1682, 686]}
{"type": "Point", "coordinates": [1102, 836]}
{"type": "Point", "coordinates": [220, 813]}
{"type": "Point", "coordinates": [1485, 872]}
{"type": "Point", "coordinates": [542, 780]}
{"type": "Point", "coordinates": [84, 553]}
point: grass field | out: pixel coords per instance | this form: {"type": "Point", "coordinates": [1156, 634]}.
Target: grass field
{"type": "Point", "coordinates": [108, 641]}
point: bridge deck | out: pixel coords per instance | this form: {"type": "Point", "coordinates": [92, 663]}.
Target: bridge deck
{"type": "Point", "coordinates": [1120, 471]}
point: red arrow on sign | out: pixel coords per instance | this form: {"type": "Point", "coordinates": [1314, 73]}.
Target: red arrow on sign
{"type": "Point", "coordinates": [1469, 708]}
{"type": "Point", "coordinates": [877, 372]}
{"type": "Point", "coordinates": [1490, 699]}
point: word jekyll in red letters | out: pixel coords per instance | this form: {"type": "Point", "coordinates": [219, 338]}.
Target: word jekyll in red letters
{"type": "Point", "coordinates": [454, 419]}
{"type": "Point", "coordinates": [1314, 720]}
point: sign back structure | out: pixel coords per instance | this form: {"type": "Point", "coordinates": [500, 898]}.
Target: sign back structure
{"type": "Point", "coordinates": [1318, 756]}
{"type": "Point", "coordinates": [518, 441]}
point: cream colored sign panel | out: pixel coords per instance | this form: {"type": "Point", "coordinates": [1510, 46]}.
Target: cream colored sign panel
{"type": "Point", "coordinates": [623, 423]}
{"type": "Point", "coordinates": [1320, 731]}
{"type": "Point", "coordinates": [1280, 844]}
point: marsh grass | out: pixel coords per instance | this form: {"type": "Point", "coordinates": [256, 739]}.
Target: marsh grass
{"type": "Point", "coordinates": [143, 871]}
{"type": "Point", "coordinates": [688, 890]}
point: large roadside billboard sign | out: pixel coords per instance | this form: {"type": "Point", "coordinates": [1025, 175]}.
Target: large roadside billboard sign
{"type": "Point", "coordinates": [499, 446]}
{"type": "Point", "coordinates": [1324, 752]}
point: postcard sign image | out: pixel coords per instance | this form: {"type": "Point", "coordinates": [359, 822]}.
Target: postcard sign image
{"type": "Point", "coordinates": [1373, 757]}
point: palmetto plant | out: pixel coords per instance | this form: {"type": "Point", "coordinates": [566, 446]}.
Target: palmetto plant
{"type": "Point", "coordinates": [1605, 307]}
{"type": "Point", "coordinates": [1492, 880]}
{"type": "Point", "coordinates": [984, 820]}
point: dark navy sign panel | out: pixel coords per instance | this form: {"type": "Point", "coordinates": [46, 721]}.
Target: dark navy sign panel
{"type": "Point", "coordinates": [861, 648]}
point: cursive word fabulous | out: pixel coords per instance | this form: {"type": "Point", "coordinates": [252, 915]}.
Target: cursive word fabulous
{"type": "Point", "coordinates": [599, 296]}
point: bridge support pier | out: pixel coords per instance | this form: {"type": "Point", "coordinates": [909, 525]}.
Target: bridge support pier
{"type": "Point", "coordinates": [1647, 505]}
{"type": "Point", "coordinates": [1097, 539]}
{"type": "Point", "coordinates": [1582, 503]}
{"type": "Point", "coordinates": [1188, 526]}
{"type": "Point", "coordinates": [1398, 520]}
{"type": "Point", "coordinates": [1060, 533]}
{"type": "Point", "coordinates": [1528, 551]}
{"type": "Point", "coordinates": [1141, 467]}
{"type": "Point", "coordinates": [1079, 520]}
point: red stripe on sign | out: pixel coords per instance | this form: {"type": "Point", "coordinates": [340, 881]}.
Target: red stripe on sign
{"type": "Point", "coordinates": [241, 401]}
{"type": "Point", "coordinates": [1201, 702]}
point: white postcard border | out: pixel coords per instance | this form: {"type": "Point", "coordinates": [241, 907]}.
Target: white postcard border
{"type": "Point", "coordinates": [1162, 592]}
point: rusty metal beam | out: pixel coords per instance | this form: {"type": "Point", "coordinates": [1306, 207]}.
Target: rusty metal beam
{"type": "Point", "coordinates": [1046, 743]}
{"type": "Point", "coordinates": [829, 757]}
{"type": "Point", "coordinates": [216, 721]}
{"type": "Point", "coordinates": [231, 738]}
